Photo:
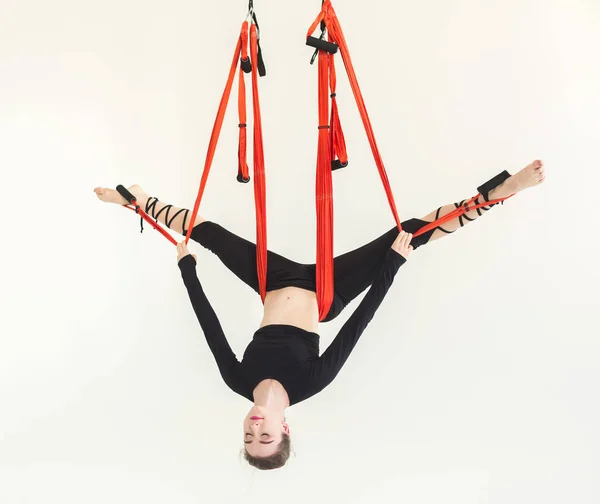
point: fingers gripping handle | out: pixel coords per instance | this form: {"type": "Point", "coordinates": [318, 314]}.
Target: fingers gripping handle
{"type": "Point", "coordinates": [131, 199]}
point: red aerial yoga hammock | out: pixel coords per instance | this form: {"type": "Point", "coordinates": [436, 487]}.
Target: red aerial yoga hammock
{"type": "Point", "coordinates": [331, 145]}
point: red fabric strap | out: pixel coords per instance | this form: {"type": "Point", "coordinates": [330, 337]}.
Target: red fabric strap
{"type": "Point", "coordinates": [331, 145]}
{"type": "Point", "coordinates": [258, 161]}
{"type": "Point", "coordinates": [259, 174]}
{"type": "Point", "coordinates": [324, 194]}
{"type": "Point", "coordinates": [242, 146]}
{"type": "Point", "coordinates": [214, 138]}
{"type": "Point", "coordinates": [327, 151]}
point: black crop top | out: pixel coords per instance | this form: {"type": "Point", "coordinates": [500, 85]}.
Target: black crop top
{"type": "Point", "coordinates": [286, 353]}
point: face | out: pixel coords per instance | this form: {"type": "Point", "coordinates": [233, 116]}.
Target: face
{"type": "Point", "coordinates": [263, 431]}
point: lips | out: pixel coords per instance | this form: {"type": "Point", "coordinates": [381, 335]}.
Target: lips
{"type": "Point", "coordinates": [256, 418]}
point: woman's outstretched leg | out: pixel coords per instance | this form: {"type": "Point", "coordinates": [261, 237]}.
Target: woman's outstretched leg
{"type": "Point", "coordinates": [236, 253]}
{"type": "Point", "coordinates": [529, 176]}
{"type": "Point", "coordinates": [174, 218]}
{"type": "Point", "coordinates": [356, 270]}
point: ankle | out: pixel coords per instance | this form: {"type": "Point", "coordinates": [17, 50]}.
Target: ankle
{"type": "Point", "coordinates": [140, 196]}
{"type": "Point", "coordinates": [504, 190]}
{"type": "Point", "coordinates": [143, 200]}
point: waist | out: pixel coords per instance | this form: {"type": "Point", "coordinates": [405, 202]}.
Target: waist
{"type": "Point", "coordinates": [280, 330]}
{"type": "Point", "coordinates": [286, 334]}
{"type": "Point", "coordinates": [291, 306]}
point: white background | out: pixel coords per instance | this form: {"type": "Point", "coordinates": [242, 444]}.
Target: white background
{"type": "Point", "coordinates": [477, 381]}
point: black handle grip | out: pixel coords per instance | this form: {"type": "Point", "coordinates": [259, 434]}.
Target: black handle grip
{"type": "Point", "coordinates": [246, 65]}
{"type": "Point", "coordinates": [336, 164]}
{"type": "Point", "coordinates": [126, 194]}
{"type": "Point", "coordinates": [324, 45]}
{"type": "Point", "coordinates": [241, 179]}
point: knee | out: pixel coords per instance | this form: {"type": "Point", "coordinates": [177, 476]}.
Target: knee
{"type": "Point", "coordinates": [199, 220]}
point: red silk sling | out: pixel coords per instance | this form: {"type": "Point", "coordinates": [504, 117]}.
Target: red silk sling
{"type": "Point", "coordinates": [331, 153]}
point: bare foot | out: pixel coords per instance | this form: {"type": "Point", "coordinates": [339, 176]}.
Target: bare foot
{"type": "Point", "coordinates": [112, 196]}
{"type": "Point", "coordinates": [529, 176]}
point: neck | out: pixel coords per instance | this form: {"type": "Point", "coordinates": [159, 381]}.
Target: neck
{"type": "Point", "coordinates": [270, 394]}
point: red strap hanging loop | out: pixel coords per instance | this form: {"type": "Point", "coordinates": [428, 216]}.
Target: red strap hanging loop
{"type": "Point", "coordinates": [243, 171]}
{"type": "Point", "coordinates": [327, 152]}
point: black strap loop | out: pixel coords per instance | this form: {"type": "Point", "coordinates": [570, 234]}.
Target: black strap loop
{"type": "Point", "coordinates": [149, 210]}
{"type": "Point", "coordinates": [437, 216]}
{"type": "Point", "coordinates": [262, 71]}
{"type": "Point", "coordinates": [174, 217]}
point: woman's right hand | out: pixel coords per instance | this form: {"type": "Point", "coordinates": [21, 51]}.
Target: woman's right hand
{"type": "Point", "coordinates": [183, 251]}
{"type": "Point", "coordinates": [402, 244]}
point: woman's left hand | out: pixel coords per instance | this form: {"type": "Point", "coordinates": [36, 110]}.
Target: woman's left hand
{"type": "Point", "coordinates": [402, 244]}
{"type": "Point", "coordinates": [183, 251]}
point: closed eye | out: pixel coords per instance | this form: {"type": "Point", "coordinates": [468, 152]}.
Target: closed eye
{"type": "Point", "coordinates": [261, 442]}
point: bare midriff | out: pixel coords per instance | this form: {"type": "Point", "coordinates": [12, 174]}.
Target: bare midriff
{"type": "Point", "coordinates": [291, 306]}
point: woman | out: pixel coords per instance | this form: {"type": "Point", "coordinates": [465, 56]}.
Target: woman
{"type": "Point", "coordinates": [282, 366]}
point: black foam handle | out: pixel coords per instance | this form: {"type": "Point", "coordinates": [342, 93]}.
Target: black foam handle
{"type": "Point", "coordinates": [491, 184]}
{"type": "Point", "coordinates": [336, 164]}
{"type": "Point", "coordinates": [126, 194]}
{"type": "Point", "coordinates": [246, 65]}
{"type": "Point", "coordinates": [241, 179]}
{"type": "Point", "coordinates": [321, 44]}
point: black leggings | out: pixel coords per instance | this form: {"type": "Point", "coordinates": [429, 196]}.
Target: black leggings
{"type": "Point", "coordinates": [353, 271]}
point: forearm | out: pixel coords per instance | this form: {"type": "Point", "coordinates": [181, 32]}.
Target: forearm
{"type": "Point", "coordinates": [213, 332]}
{"type": "Point", "coordinates": [338, 352]}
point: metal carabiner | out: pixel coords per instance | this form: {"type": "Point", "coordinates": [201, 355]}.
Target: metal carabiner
{"type": "Point", "coordinates": [250, 10]}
